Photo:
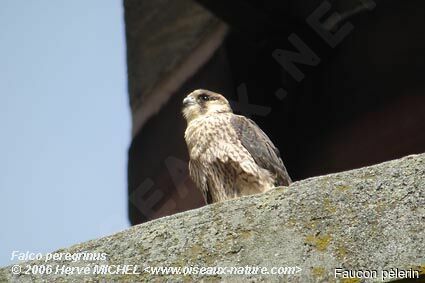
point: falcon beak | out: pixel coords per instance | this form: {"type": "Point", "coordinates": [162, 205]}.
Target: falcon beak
{"type": "Point", "coordinates": [189, 100]}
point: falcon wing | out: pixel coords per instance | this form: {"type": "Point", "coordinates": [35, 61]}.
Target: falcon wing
{"type": "Point", "coordinates": [261, 148]}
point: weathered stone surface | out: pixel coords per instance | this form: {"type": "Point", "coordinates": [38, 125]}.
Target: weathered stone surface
{"type": "Point", "coordinates": [369, 218]}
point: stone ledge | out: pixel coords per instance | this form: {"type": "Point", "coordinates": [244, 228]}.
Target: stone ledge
{"type": "Point", "coordinates": [368, 218]}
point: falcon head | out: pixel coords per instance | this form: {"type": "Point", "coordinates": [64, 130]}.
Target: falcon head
{"type": "Point", "coordinates": [204, 102]}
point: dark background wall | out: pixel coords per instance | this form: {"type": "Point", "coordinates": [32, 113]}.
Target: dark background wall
{"type": "Point", "coordinates": [361, 103]}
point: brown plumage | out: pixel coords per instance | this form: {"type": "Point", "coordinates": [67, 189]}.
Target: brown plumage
{"type": "Point", "coordinates": [230, 156]}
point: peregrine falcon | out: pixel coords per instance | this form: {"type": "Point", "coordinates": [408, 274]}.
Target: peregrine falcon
{"type": "Point", "coordinates": [230, 156]}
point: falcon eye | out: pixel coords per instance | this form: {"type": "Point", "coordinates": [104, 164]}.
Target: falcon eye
{"type": "Point", "coordinates": [204, 97]}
